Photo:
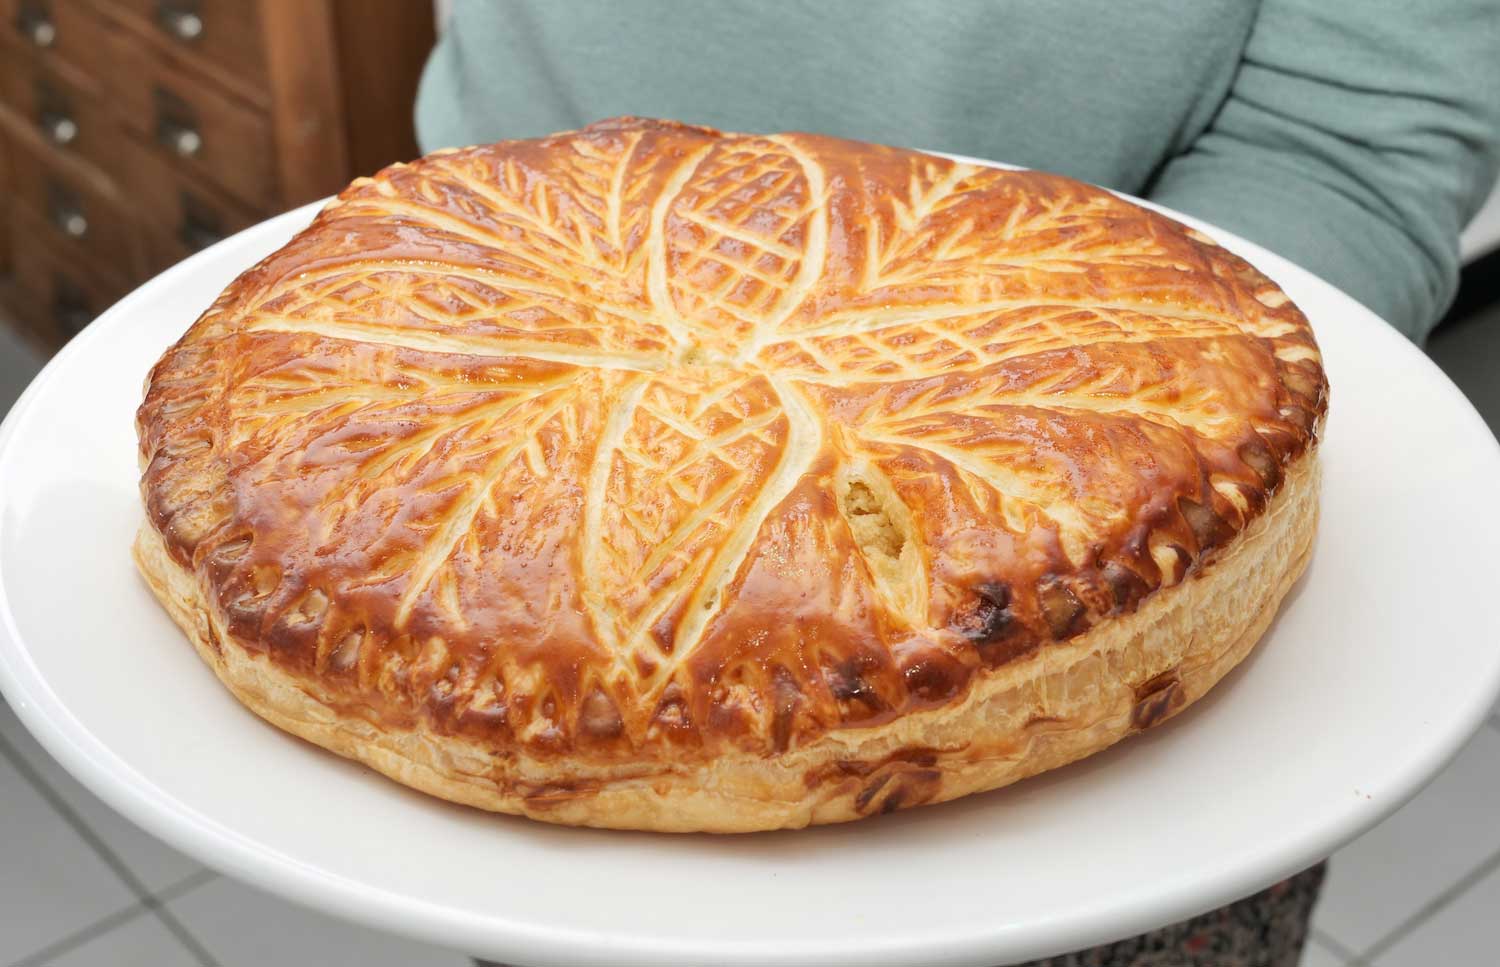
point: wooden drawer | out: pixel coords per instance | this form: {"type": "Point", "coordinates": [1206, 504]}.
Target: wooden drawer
{"type": "Point", "coordinates": [192, 125]}
{"type": "Point", "coordinates": [163, 250]}
{"type": "Point", "coordinates": [58, 297]}
{"type": "Point", "coordinates": [75, 209]}
{"type": "Point", "coordinates": [216, 37]}
{"type": "Point", "coordinates": [61, 106]}
{"type": "Point", "coordinates": [179, 214]}
{"type": "Point", "coordinates": [67, 30]}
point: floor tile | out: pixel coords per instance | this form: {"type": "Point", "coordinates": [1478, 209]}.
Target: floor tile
{"type": "Point", "coordinates": [1317, 955]}
{"type": "Point", "coordinates": [51, 882]}
{"type": "Point", "coordinates": [1462, 933]}
{"type": "Point", "coordinates": [155, 864]}
{"type": "Point", "coordinates": [19, 362]}
{"type": "Point", "coordinates": [11, 728]}
{"type": "Point", "coordinates": [243, 927]}
{"type": "Point", "coordinates": [1390, 873]}
{"type": "Point", "coordinates": [139, 942]}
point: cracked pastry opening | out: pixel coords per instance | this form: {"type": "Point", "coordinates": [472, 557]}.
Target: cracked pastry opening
{"type": "Point", "coordinates": [872, 524]}
{"type": "Point", "coordinates": [883, 533]}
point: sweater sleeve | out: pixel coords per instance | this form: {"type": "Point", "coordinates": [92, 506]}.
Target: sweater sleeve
{"type": "Point", "coordinates": [1357, 139]}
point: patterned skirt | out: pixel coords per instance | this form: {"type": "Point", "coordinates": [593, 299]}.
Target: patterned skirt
{"type": "Point", "coordinates": [1264, 930]}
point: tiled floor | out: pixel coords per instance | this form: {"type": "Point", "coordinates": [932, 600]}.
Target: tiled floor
{"type": "Point", "coordinates": [18, 363]}
{"type": "Point", "coordinates": [81, 887]}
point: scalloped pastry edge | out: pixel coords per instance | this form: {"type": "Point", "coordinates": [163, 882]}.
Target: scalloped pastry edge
{"type": "Point", "coordinates": [1063, 703]}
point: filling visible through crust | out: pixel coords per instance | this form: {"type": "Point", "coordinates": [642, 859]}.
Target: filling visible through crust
{"type": "Point", "coordinates": [882, 527]}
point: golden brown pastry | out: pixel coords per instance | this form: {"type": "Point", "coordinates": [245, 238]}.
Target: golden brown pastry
{"type": "Point", "coordinates": [646, 476]}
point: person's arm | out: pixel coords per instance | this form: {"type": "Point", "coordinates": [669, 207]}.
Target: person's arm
{"type": "Point", "coordinates": [1357, 139]}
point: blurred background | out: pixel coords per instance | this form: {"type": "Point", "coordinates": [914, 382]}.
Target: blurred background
{"type": "Point", "coordinates": [135, 132]}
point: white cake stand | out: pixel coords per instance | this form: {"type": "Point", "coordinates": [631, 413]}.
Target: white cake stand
{"type": "Point", "coordinates": [1384, 660]}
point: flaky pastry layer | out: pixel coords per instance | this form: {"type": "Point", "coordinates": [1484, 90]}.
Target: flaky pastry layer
{"type": "Point", "coordinates": [1036, 714]}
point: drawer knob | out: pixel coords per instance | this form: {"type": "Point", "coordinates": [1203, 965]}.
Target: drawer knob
{"type": "Point", "coordinates": [69, 218]}
{"type": "Point", "coordinates": [66, 211]}
{"type": "Point", "coordinates": [186, 142]}
{"type": "Point", "coordinates": [72, 223]}
{"type": "Point", "coordinates": [43, 33]}
{"type": "Point", "coordinates": [38, 29]}
{"type": "Point", "coordinates": [185, 25]}
{"type": "Point", "coordinates": [59, 128]}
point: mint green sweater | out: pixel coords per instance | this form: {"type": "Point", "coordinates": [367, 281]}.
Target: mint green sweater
{"type": "Point", "coordinates": [1354, 137]}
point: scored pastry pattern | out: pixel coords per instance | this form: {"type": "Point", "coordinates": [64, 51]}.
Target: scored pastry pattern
{"type": "Point", "coordinates": [623, 358]}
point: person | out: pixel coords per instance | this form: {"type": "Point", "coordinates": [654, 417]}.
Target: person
{"type": "Point", "coordinates": [1355, 139]}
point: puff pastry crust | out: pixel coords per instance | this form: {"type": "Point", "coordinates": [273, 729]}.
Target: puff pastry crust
{"type": "Point", "coordinates": [651, 477]}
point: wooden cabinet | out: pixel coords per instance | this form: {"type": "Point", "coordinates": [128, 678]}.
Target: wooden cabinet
{"type": "Point", "coordinates": [76, 210]}
{"type": "Point", "coordinates": [55, 294]}
{"type": "Point", "coordinates": [134, 132]}
{"type": "Point", "coordinates": [223, 33]}
{"type": "Point", "coordinates": [194, 126]}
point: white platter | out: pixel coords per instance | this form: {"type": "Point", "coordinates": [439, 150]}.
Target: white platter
{"type": "Point", "coordinates": [1385, 658]}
